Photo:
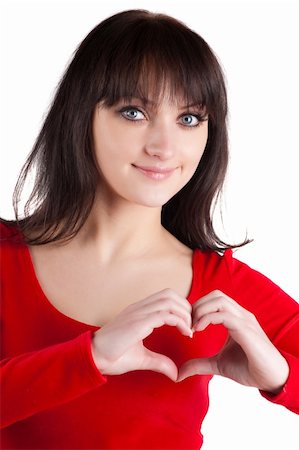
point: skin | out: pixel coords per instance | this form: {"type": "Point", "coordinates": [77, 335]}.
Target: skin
{"type": "Point", "coordinates": [125, 223]}
{"type": "Point", "coordinates": [124, 232]}
{"type": "Point", "coordinates": [146, 137]}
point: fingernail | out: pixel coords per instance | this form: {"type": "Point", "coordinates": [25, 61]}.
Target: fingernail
{"type": "Point", "coordinates": [194, 328]}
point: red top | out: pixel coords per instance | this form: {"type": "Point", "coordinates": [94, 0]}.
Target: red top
{"type": "Point", "coordinates": [54, 397]}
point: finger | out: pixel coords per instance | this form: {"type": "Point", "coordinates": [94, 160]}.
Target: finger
{"type": "Point", "coordinates": [216, 301]}
{"type": "Point", "coordinates": [159, 318]}
{"type": "Point", "coordinates": [230, 321]}
{"type": "Point", "coordinates": [159, 363]}
{"type": "Point", "coordinates": [164, 294]}
{"type": "Point", "coordinates": [166, 300]}
{"type": "Point", "coordinates": [171, 306]}
{"type": "Point", "coordinates": [203, 366]}
{"type": "Point", "coordinates": [216, 294]}
{"type": "Point", "coordinates": [213, 305]}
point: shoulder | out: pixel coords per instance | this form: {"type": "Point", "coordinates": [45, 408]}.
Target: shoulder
{"type": "Point", "coordinates": [235, 278]}
{"type": "Point", "coordinates": [211, 272]}
{"type": "Point", "coordinates": [10, 236]}
{"type": "Point", "coordinates": [213, 264]}
{"type": "Point", "coordinates": [8, 228]}
{"type": "Point", "coordinates": [240, 275]}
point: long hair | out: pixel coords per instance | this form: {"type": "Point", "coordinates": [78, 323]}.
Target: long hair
{"type": "Point", "coordinates": [124, 57]}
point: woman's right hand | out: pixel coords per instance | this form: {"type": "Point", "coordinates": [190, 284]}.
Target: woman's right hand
{"type": "Point", "coordinates": [118, 347]}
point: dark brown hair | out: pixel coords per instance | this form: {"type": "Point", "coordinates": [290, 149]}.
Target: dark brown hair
{"type": "Point", "coordinates": [123, 57]}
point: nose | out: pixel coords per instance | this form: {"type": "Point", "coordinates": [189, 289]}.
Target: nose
{"type": "Point", "coordinates": [160, 141]}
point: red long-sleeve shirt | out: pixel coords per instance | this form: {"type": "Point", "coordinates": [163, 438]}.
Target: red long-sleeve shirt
{"type": "Point", "coordinates": [54, 397]}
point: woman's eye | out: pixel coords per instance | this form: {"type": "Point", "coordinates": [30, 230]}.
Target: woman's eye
{"type": "Point", "coordinates": [190, 120]}
{"type": "Point", "coordinates": [132, 114]}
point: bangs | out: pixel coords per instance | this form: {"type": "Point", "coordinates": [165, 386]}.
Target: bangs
{"type": "Point", "coordinates": [161, 59]}
{"type": "Point", "coordinates": [131, 54]}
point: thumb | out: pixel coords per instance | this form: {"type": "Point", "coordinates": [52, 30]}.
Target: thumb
{"type": "Point", "coordinates": [160, 363]}
{"type": "Point", "coordinates": [201, 366]}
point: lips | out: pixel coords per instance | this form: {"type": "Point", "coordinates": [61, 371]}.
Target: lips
{"type": "Point", "coordinates": [154, 172]}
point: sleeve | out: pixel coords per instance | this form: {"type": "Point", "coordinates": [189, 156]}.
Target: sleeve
{"type": "Point", "coordinates": [278, 315]}
{"type": "Point", "coordinates": [39, 380]}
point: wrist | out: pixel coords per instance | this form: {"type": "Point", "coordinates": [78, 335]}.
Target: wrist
{"type": "Point", "coordinates": [99, 360]}
{"type": "Point", "coordinates": [279, 386]}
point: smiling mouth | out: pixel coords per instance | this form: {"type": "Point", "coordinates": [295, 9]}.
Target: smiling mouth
{"type": "Point", "coordinates": [155, 173]}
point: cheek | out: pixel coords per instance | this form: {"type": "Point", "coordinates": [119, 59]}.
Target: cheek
{"type": "Point", "coordinates": [202, 142]}
{"type": "Point", "coordinates": [108, 147]}
{"type": "Point", "coordinates": [116, 143]}
{"type": "Point", "coordinates": [194, 152]}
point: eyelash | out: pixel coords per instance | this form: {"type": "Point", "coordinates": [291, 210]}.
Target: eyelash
{"type": "Point", "coordinates": [199, 117]}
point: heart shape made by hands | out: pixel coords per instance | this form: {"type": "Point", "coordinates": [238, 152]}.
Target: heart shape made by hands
{"type": "Point", "coordinates": [195, 356]}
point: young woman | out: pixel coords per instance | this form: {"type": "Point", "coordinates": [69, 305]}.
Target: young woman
{"type": "Point", "coordinates": [119, 300]}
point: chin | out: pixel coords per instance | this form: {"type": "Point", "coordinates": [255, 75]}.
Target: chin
{"type": "Point", "coordinates": [153, 202]}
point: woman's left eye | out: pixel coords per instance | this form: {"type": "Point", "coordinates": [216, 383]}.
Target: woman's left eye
{"type": "Point", "coordinates": [132, 114]}
{"type": "Point", "coordinates": [190, 120]}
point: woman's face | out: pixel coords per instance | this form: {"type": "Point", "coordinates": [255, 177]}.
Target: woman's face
{"type": "Point", "coordinates": [129, 137]}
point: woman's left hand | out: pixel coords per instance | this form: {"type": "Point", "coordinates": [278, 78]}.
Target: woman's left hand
{"type": "Point", "coordinates": [248, 357]}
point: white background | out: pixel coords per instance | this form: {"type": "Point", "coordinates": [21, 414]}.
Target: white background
{"type": "Point", "coordinates": [257, 44]}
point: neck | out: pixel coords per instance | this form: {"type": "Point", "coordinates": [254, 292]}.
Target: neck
{"type": "Point", "coordinates": [122, 230]}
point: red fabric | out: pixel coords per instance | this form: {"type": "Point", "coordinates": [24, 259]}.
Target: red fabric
{"type": "Point", "coordinates": [54, 397]}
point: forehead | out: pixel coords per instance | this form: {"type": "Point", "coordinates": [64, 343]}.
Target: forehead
{"type": "Point", "coordinates": [152, 92]}
{"type": "Point", "coordinates": [153, 84]}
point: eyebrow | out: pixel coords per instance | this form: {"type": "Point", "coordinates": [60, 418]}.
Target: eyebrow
{"type": "Point", "coordinates": [146, 102]}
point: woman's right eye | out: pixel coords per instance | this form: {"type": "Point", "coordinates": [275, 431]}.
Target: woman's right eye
{"type": "Point", "coordinates": [131, 113]}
